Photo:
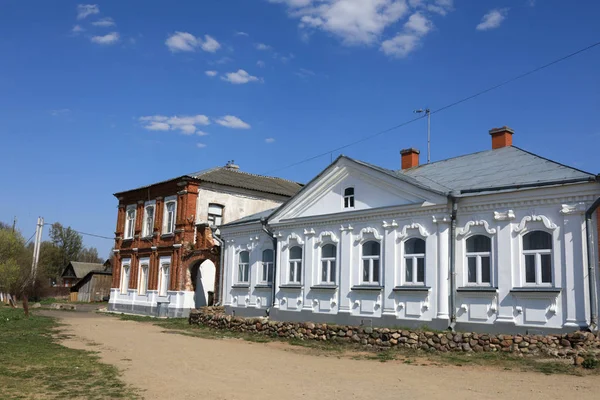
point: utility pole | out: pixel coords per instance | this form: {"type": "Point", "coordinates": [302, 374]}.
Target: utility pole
{"type": "Point", "coordinates": [14, 224]}
{"type": "Point", "coordinates": [428, 112]}
{"type": "Point", "coordinates": [36, 248]}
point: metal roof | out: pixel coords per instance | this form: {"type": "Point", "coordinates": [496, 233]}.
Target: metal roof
{"type": "Point", "coordinates": [504, 168]}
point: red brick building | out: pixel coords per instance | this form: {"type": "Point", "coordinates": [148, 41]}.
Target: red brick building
{"type": "Point", "coordinates": [165, 250]}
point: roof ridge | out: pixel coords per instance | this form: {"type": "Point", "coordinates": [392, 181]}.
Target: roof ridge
{"type": "Point", "coordinates": [257, 175]}
{"type": "Point", "coordinates": [554, 162]}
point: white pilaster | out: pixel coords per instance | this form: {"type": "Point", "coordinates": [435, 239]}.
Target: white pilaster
{"type": "Point", "coordinates": [443, 270]}
{"type": "Point", "coordinates": [574, 268]}
{"type": "Point", "coordinates": [505, 267]}
{"type": "Point", "coordinates": [391, 260]}
{"type": "Point", "coordinates": [308, 268]}
{"type": "Point", "coordinates": [346, 269]}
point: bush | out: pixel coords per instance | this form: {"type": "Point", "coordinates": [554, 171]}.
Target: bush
{"type": "Point", "coordinates": [590, 363]}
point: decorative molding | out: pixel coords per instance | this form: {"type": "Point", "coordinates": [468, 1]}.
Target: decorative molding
{"type": "Point", "coordinates": [467, 228]}
{"type": "Point", "coordinates": [535, 218]}
{"type": "Point", "coordinates": [507, 215]}
{"type": "Point", "coordinates": [332, 237]}
{"type": "Point", "coordinates": [177, 245]}
{"type": "Point", "coordinates": [140, 202]}
{"type": "Point", "coordinates": [569, 209]}
{"type": "Point", "coordinates": [391, 225]}
{"type": "Point", "coordinates": [296, 237]}
{"type": "Point", "coordinates": [369, 231]}
{"type": "Point", "coordinates": [422, 231]}
{"type": "Point", "coordinates": [348, 228]}
{"type": "Point", "coordinates": [441, 219]}
{"type": "Point", "coordinates": [525, 203]}
{"type": "Point", "coordinates": [309, 232]}
{"type": "Point", "coordinates": [494, 305]}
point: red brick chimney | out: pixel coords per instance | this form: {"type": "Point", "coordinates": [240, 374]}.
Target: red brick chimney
{"type": "Point", "coordinates": [501, 137]}
{"type": "Point", "coordinates": [410, 158]}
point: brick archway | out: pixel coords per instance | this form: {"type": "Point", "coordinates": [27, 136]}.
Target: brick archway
{"type": "Point", "coordinates": [192, 263]}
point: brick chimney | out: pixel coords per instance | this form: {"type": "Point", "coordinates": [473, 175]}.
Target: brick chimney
{"type": "Point", "coordinates": [501, 137]}
{"type": "Point", "coordinates": [410, 158]}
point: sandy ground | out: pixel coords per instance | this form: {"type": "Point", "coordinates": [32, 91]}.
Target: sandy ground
{"type": "Point", "coordinates": [175, 366]}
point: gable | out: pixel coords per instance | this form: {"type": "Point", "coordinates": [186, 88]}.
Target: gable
{"type": "Point", "coordinates": [68, 272]}
{"type": "Point", "coordinates": [373, 188]}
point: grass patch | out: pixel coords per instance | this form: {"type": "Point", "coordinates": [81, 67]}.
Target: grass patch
{"type": "Point", "coordinates": [34, 365]}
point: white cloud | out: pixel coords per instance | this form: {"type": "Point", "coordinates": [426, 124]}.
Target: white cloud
{"type": "Point", "coordinates": [304, 73]}
{"type": "Point", "coordinates": [492, 19]}
{"type": "Point", "coordinates": [104, 22]}
{"type": "Point", "coordinates": [260, 64]}
{"type": "Point", "coordinates": [201, 133]}
{"type": "Point", "coordinates": [239, 77]}
{"type": "Point", "coordinates": [262, 46]}
{"type": "Point", "coordinates": [85, 10]}
{"type": "Point", "coordinates": [230, 121]}
{"type": "Point", "coordinates": [59, 112]}
{"type": "Point", "coordinates": [77, 29]}
{"type": "Point", "coordinates": [409, 39]}
{"type": "Point", "coordinates": [108, 39]}
{"type": "Point", "coordinates": [200, 145]}
{"type": "Point", "coordinates": [241, 34]}
{"type": "Point", "coordinates": [211, 73]}
{"type": "Point", "coordinates": [184, 41]}
{"type": "Point", "coordinates": [185, 124]}
{"type": "Point", "coordinates": [270, 140]}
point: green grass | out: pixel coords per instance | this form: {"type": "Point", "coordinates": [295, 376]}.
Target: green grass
{"type": "Point", "coordinates": [34, 365]}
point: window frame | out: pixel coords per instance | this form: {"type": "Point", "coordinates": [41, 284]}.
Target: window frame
{"type": "Point", "coordinates": [478, 264]}
{"type": "Point", "coordinates": [328, 260]}
{"type": "Point", "coordinates": [243, 270]}
{"type": "Point", "coordinates": [145, 227]}
{"type": "Point", "coordinates": [143, 276]}
{"type": "Point", "coordinates": [538, 260]}
{"type": "Point", "coordinates": [349, 200]}
{"type": "Point", "coordinates": [164, 276]}
{"type": "Point", "coordinates": [265, 267]}
{"type": "Point", "coordinates": [169, 229]}
{"type": "Point", "coordinates": [212, 218]}
{"type": "Point", "coordinates": [414, 257]}
{"type": "Point", "coordinates": [295, 265]}
{"type": "Point", "coordinates": [129, 228]}
{"type": "Point", "coordinates": [371, 259]}
{"type": "Point", "coordinates": [125, 275]}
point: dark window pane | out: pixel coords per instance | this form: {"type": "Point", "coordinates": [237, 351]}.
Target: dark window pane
{"type": "Point", "coordinates": [485, 270]}
{"type": "Point", "coordinates": [537, 240]}
{"type": "Point", "coordinates": [270, 276]}
{"type": "Point", "coordinates": [346, 202]}
{"type": "Point", "coordinates": [366, 273]}
{"type": "Point", "coordinates": [332, 271]}
{"type": "Point", "coordinates": [328, 251]}
{"type": "Point", "coordinates": [264, 272]}
{"type": "Point", "coordinates": [414, 246]}
{"type": "Point", "coordinates": [530, 268]}
{"type": "Point", "coordinates": [349, 192]}
{"type": "Point", "coordinates": [546, 268]}
{"type": "Point", "coordinates": [408, 275]}
{"type": "Point", "coordinates": [296, 253]}
{"type": "Point", "coordinates": [371, 249]}
{"type": "Point", "coordinates": [479, 243]}
{"type": "Point", "coordinates": [292, 272]}
{"type": "Point", "coordinates": [246, 272]}
{"type": "Point", "coordinates": [375, 270]}
{"type": "Point", "coordinates": [351, 201]}
{"type": "Point", "coordinates": [472, 270]}
{"type": "Point", "coordinates": [298, 272]}
{"type": "Point", "coordinates": [244, 257]}
{"type": "Point", "coordinates": [267, 256]}
{"type": "Point", "coordinates": [420, 270]}
{"type": "Point", "coordinates": [324, 271]}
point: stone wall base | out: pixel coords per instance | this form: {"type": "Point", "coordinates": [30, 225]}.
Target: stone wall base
{"type": "Point", "coordinates": [152, 311]}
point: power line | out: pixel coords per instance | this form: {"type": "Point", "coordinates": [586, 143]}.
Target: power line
{"type": "Point", "coordinates": [89, 234]}
{"type": "Point", "coordinates": [465, 99]}
{"type": "Point", "coordinates": [30, 238]}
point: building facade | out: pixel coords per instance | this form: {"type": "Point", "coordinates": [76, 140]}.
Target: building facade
{"type": "Point", "coordinates": [499, 240]}
{"type": "Point", "coordinates": [166, 253]}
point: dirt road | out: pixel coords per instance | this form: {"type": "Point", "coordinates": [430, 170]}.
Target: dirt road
{"type": "Point", "coordinates": [173, 366]}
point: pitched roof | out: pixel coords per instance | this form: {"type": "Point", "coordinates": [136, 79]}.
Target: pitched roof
{"type": "Point", "coordinates": [505, 168]}
{"type": "Point", "coordinates": [81, 269]}
{"type": "Point", "coordinates": [236, 178]}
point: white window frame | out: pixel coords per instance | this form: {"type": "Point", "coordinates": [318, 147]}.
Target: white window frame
{"type": "Point", "coordinates": [129, 230]}
{"type": "Point", "coordinates": [143, 276]}
{"type": "Point", "coordinates": [169, 229]}
{"type": "Point", "coordinates": [243, 270]}
{"type": "Point", "coordinates": [478, 268]}
{"type": "Point", "coordinates": [414, 257]}
{"type": "Point", "coordinates": [295, 266]}
{"type": "Point", "coordinates": [125, 275]}
{"type": "Point", "coordinates": [349, 199]}
{"type": "Point", "coordinates": [214, 219]}
{"type": "Point", "coordinates": [326, 261]}
{"type": "Point", "coordinates": [145, 232]}
{"type": "Point", "coordinates": [164, 276]}
{"type": "Point", "coordinates": [538, 261]}
{"type": "Point", "coordinates": [371, 260]}
{"type": "Point", "coordinates": [265, 267]}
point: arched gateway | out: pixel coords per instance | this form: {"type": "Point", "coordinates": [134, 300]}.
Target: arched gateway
{"type": "Point", "coordinates": [203, 280]}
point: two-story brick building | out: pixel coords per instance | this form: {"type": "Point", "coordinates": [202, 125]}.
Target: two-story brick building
{"type": "Point", "coordinates": [165, 251]}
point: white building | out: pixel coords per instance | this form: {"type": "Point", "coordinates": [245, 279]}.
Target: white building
{"type": "Point", "coordinates": [491, 241]}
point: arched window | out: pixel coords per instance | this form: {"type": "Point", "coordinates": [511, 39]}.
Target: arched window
{"type": "Point", "coordinates": [130, 222]}
{"type": "Point", "coordinates": [537, 252]}
{"type": "Point", "coordinates": [164, 277]}
{"type": "Point", "coordinates": [479, 251]}
{"type": "Point", "coordinates": [244, 267]}
{"type": "Point", "coordinates": [349, 197]}
{"type": "Point", "coordinates": [267, 266]}
{"type": "Point", "coordinates": [328, 261]}
{"type": "Point", "coordinates": [148, 228]}
{"type": "Point", "coordinates": [125, 271]}
{"type": "Point", "coordinates": [371, 252]}
{"type": "Point", "coordinates": [295, 265]}
{"type": "Point", "coordinates": [414, 262]}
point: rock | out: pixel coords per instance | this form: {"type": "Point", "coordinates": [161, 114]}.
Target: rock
{"type": "Point", "coordinates": [565, 343]}
{"type": "Point", "coordinates": [457, 338]}
{"type": "Point", "coordinates": [309, 325]}
{"type": "Point", "coordinates": [395, 335]}
{"type": "Point", "coordinates": [413, 336]}
{"type": "Point", "coordinates": [368, 329]}
{"type": "Point", "coordinates": [466, 347]}
{"type": "Point", "coordinates": [393, 342]}
{"type": "Point", "coordinates": [35, 305]}
{"type": "Point", "coordinates": [578, 360]}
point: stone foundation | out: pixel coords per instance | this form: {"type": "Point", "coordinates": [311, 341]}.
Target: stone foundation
{"type": "Point", "coordinates": [557, 345]}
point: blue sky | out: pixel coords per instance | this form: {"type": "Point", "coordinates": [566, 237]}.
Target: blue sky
{"type": "Point", "coordinates": [102, 97]}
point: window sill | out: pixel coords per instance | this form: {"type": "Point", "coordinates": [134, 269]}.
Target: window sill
{"type": "Point", "coordinates": [414, 288]}
{"type": "Point", "coordinates": [263, 286]}
{"type": "Point", "coordinates": [128, 239]}
{"type": "Point", "coordinates": [167, 235]}
{"type": "Point", "coordinates": [367, 287]}
{"type": "Point", "coordinates": [240, 285]}
{"type": "Point", "coordinates": [291, 286]}
{"type": "Point", "coordinates": [478, 289]}
{"type": "Point", "coordinates": [548, 290]}
{"type": "Point", "coordinates": [324, 287]}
